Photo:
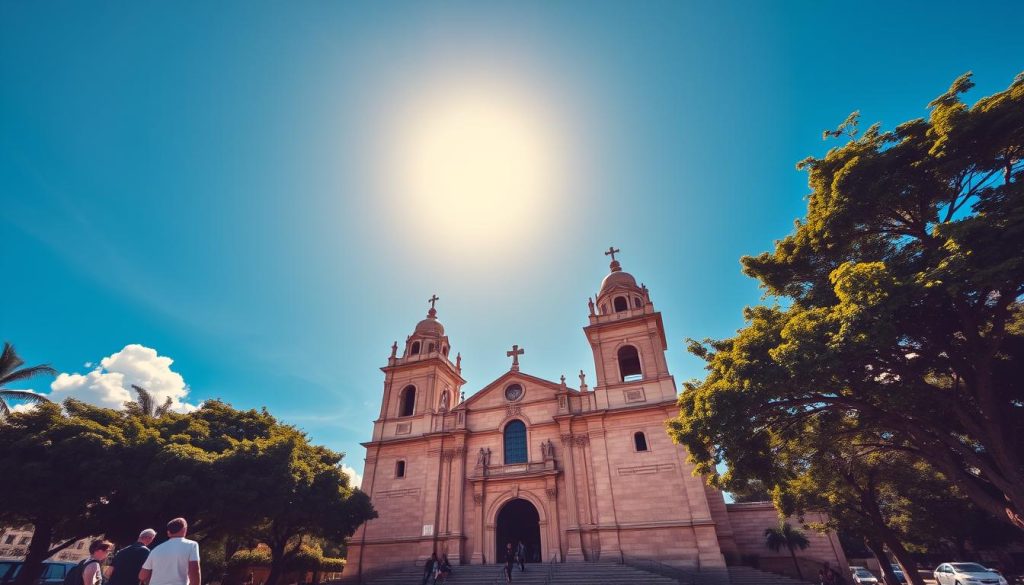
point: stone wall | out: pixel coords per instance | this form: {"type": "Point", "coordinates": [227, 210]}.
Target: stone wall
{"type": "Point", "coordinates": [750, 520]}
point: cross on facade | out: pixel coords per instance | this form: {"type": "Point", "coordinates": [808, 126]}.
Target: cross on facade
{"type": "Point", "coordinates": [514, 354]}
{"type": "Point", "coordinates": [433, 299]}
{"type": "Point", "coordinates": [612, 251]}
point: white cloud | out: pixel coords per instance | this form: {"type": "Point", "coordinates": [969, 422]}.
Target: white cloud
{"type": "Point", "coordinates": [355, 478]}
{"type": "Point", "coordinates": [110, 383]}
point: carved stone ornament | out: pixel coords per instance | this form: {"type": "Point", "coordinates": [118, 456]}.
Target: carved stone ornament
{"type": "Point", "coordinates": [551, 492]}
{"type": "Point", "coordinates": [478, 499]}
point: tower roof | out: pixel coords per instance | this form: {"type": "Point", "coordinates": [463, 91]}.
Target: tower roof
{"type": "Point", "coordinates": [617, 277]}
{"type": "Point", "coordinates": [430, 327]}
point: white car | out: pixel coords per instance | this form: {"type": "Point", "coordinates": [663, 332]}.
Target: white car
{"type": "Point", "coordinates": [967, 574]}
{"type": "Point", "coordinates": [862, 576]}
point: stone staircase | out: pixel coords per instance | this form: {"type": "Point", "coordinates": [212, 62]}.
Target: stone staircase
{"type": "Point", "coordinates": [581, 574]}
{"type": "Point", "coordinates": [535, 574]}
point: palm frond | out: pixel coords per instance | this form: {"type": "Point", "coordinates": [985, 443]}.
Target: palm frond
{"type": "Point", "coordinates": [24, 395]}
{"type": "Point", "coordinates": [162, 410]}
{"type": "Point", "coordinates": [9, 360]}
{"type": "Point", "coordinates": [145, 401]}
{"type": "Point", "coordinates": [5, 411]}
{"type": "Point", "coordinates": [26, 373]}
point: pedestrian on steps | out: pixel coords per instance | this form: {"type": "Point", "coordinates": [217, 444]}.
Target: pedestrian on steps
{"type": "Point", "coordinates": [510, 560]}
{"type": "Point", "coordinates": [521, 556]}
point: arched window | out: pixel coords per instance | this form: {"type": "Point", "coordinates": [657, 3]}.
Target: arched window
{"type": "Point", "coordinates": [629, 364]}
{"type": "Point", "coordinates": [620, 304]}
{"type": "Point", "coordinates": [604, 309]}
{"type": "Point", "coordinates": [400, 468]}
{"type": "Point", "coordinates": [639, 441]}
{"type": "Point", "coordinates": [515, 442]}
{"type": "Point", "coordinates": [415, 349]}
{"type": "Point", "coordinates": [444, 351]}
{"type": "Point", "coordinates": [407, 401]}
{"type": "Point", "coordinates": [430, 348]}
{"type": "Point", "coordinates": [638, 303]}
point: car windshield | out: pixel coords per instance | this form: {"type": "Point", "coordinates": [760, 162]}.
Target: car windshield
{"type": "Point", "coordinates": [969, 568]}
{"type": "Point", "coordinates": [864, 573]}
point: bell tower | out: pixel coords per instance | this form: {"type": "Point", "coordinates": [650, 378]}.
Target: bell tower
{"type": "Point", "coordinates": [419, 384]}
{"type": "Point", "coordinates": [627, 337]}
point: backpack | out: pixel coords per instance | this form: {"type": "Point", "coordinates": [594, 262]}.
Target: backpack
{"type": "Point", "coordinates": [74, 575]}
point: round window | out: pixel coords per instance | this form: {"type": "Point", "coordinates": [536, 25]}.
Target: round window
{"type": "Point", "coordinates": [513, 392]}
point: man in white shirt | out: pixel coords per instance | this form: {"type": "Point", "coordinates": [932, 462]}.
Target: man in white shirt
{"type": "Point", "coordinates": [175, 562]}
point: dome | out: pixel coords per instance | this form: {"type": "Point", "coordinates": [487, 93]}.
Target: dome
{"type": "Point", "coordinates": [616, 279]}
{"type": "Point", "coordinates": [430, 327]}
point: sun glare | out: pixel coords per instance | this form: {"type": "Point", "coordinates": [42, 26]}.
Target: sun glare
{"type": "Point", "coordinates": [478, 167]}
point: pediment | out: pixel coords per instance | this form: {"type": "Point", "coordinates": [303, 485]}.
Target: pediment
{"type": "Point", "coordinates": [493, 394]}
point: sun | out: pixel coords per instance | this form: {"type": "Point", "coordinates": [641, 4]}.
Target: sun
{"type": "Point", "coordinates": [476, 166]}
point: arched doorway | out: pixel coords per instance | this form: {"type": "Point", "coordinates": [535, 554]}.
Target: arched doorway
{"type": "Point", "coordinates": [518, 520]}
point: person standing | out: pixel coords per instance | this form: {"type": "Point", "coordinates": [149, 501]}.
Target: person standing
{"type": "Point", "coordinates": [510, 560]}
{"type": "Point", "coordinates": [521, 556]}
{"type": "Point", "coordinates": [125, 567]}
{"type": "Point", "coordinates": [175, 562]}
{"type": "Point", "coordinates": [428, 569]}
{"type": "Point", "coordinates": [92, 568]}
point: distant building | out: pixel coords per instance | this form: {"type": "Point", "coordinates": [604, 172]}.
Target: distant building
{"type": "Point", "coordinates": [576, 474]}
{"type": "Point", "coordinates": [14, 542]}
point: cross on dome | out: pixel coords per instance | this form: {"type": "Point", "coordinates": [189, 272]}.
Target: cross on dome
{"type": "Point", "coordinates": [433, 299]}
{"type": "Point", "coordinates": [514, 354]}
{"type": "Point", "coordinates": [612, 251]}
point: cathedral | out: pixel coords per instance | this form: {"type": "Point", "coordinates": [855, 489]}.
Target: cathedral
{"type": "Point", "coordinates": [577, 473]}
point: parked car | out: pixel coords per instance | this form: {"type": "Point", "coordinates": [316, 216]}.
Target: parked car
{"type": "Point", "coordinates": [967, 574]}
{"type": "Point", "coordinates": [899, 573]}
{"type": "Point", "coordinates": [862, 576]}
{"type": "Point", "coordinates": [53, 572]}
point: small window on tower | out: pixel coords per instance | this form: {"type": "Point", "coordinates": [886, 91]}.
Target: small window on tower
{"type": "Point", "coordinates": [444, 351]}
{"type": "Point", "coordinates": [400, 469]}
{"type": "Point", "coordinates": [407, 401]}
{"type": "Point", "coordinates": [629, 364]}
{"type": "Point", "coordinates": [638, 303]}
{"type": "Point", "coordinates": [639, 442]}
{"type": "Point", "coordinates": [430, 348]}
{"type": "Point", "coordinates": [415, 348]}
{"type": "Point", "coordinates": [621, 304]}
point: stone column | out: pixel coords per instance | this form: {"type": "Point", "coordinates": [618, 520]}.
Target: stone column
{"type": "Point", "coordinates": [478, 522]}
{"type": "Point", "coordinates": [460, 503]}
{"type": "Point", "coordinates": [575, 546]}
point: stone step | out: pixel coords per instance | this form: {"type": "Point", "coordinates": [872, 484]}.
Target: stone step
{"type": "Point", "coordinates": [535, 574]}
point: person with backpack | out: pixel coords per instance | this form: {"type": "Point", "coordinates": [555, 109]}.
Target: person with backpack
{"type": "Point", "coordinates": [176, 561]}
{"type": "Point", "coordinates": [90, 570]}
{"type": "Point", "coordinates": [125, 567]}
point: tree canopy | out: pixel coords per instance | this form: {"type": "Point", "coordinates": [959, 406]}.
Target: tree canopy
{"type": "Point", "coordinates": [897, 309]}
{"type": "Point", "coordinates": [234, 474]}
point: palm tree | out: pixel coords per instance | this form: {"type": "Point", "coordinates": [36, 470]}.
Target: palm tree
{"type": "Point", "coordinates": [789, 537]}
{"type": "Point", "coordinates": [146, 405]}
{"type": "Point", "coordinates": [11, 371]}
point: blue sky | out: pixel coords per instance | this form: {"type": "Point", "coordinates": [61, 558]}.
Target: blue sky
{"type": "Point", "coordinates": [226, 185]}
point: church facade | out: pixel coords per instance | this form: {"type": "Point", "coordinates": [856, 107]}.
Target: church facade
{"type": "Point", "coordinates": [576, 473]}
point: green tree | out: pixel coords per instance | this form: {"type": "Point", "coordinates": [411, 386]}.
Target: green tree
{"type": "Point", "coordinates": [899, 304]}
{"type": "Point", "coordinates": [66, 465]}
{"type": "Point", "coordinates": [787, 536]}
{"type": "Point", "coordinates": [11, 371]}
{"type": "Point", "coordinates": [302, 493]}
{"type": "Point", "coordinates": [146, 405]}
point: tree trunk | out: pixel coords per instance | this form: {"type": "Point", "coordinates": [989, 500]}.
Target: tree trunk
{"type": "Point", "coordinates": [38, 551]}
{"type": "Point", "coordinates": [878, 550]}
{"type": "Point", "coordinates": [903, 558]}
{"type": "Point", "coordinates": [277, 563]}
{"type": "Point", "coordinates": [796, 564]}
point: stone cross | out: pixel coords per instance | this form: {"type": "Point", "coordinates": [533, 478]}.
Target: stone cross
{"type": "Point", "coordinates": [583, 381]}
{"type": "Point", "coordinates": [612, 251]}
{"type": "Point", "coordinates": [394, 349]}
{"type": "Point", "coordinates": [434, 298]}
{"type": "Point", "coordinates": [514, 354]}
